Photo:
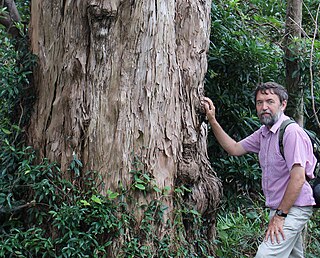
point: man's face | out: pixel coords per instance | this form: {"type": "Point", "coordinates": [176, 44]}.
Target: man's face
{"type": "Point", "coordinates": [269, 108]}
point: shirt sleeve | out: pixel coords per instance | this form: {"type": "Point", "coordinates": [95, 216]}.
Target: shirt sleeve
{"type": "Point", "coordinates": [252, 142]}
{"type": "Point", "coordinates": [298, 149]}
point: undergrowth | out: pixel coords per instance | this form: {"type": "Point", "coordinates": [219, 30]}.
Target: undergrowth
{"type": "Point", "coordinates": [240, 231]}
{"type": "Point", "coordinates": [44, 215]}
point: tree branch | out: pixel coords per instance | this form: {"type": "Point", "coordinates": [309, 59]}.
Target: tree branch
{"type": "Point", "coordinates": [310, 67]}
{"type": "Point", "coordinates": [9, 18]}
{"type": "Point", "coordinates": [4, 210]}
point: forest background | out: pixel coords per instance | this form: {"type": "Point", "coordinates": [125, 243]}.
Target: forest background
{"type": "Point", "coordinates": [245, 48]}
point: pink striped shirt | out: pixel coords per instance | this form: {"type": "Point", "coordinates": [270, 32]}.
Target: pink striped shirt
{"type": "Point", "coordinates": [275, 170]}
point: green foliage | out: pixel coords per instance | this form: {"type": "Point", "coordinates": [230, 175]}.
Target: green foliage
{"type": "Point", "coordinates": [241, 182]}
{"type": "Point", "coordinates": [141, 180]}
{"type": "Point", "coordinates": [64, 220]}
{"type": "Point", "coordinates": [312, 243]}
{"type": "Point", "coordinates": [240, 53]}
{"type": "Point", "coordinates": [309, 12]}
{"type": "Point", "coordinates": [240, 232]}
{"type": "Point", "coordinates": [16, 65]}
{"type": "Point", "coordinates": [310, 82]}
{"type": "Point", "coordinates": [239, 57]}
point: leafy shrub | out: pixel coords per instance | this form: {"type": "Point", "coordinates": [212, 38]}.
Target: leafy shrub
{"type": "Point", "coordinates": [44, 215]}
{"type": "Point", "coordinates": [240, 56]}
{"type": "Point", "coordinates": [312, 243]}
{"type": "Point", "coordinates": [240, 232]}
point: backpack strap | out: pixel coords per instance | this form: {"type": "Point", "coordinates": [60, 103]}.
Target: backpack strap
{"type": "Point", "coordinates": [282, 129]}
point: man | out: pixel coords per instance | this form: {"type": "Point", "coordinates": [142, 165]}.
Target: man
{"type": "Point", "coordinates": [288, 194]}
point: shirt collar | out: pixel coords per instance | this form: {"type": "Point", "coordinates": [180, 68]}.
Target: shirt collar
{"type": "Point", "coordinates": [276, 126]}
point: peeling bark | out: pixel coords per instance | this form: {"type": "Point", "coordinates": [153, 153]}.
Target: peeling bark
{"type": "Point", "coordinates": [120, 78]}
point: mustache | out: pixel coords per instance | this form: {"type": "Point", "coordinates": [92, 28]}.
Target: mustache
{"type": "Point", "coordinates": [264, 112]}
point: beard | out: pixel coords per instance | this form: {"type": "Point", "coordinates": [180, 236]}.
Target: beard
{"type": "Point", "coordinates": [267, 119]}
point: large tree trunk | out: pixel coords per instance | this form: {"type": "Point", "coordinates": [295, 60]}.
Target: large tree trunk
{"type": "Point", "coordinates": [292, 45]}
{"type": "Point", "coordinates": [123, 78]}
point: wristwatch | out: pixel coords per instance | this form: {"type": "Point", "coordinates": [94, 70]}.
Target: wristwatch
{"type": "Point", "coordinates": [281, 213]}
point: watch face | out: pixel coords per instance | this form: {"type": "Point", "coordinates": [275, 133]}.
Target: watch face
{"type": "Point", "coordinates": [281, 213]}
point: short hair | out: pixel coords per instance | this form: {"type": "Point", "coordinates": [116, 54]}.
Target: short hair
{"type": "Point", "coordinates": [274, 88]}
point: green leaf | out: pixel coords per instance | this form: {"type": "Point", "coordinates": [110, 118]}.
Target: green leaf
{"type": "Point", "coordinates": [6, 131]}
{"type": "Point", "coordinates": [140, 186]}
{"type": "Point", "coordinates": [178, 190]}
{"type": "Point", "coordinates": [166, 189]}
{"type": "Point", "coordinates": [147, 177]}
{"type": "Point", "coordinates": [138, 180]}
{"type": "Point", "coordinates": [112, 195]}
{"type": "Point", "coordinates": [85, 203]}
{"type": "Point", "coordinates": [96, 199]}
{"type": "Point", "coordinates": [79, 163]}
{"type": "Point", "coordinates": [157, 189]}
{"type": "Point", "coordinates": [252, 215]}
{"type": "Point", "coordinates": [224, 227]}
{"type": "Point", "coordinates": [194, 212]}
{"type": "Point", "coordinates": [2, 198]}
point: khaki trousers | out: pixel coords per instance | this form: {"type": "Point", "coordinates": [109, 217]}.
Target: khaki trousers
{"type": "Point", "coordinates": [292, 246]}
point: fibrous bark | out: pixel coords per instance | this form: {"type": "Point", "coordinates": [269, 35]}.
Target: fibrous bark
{"type": "Point", "coordinates": [118, 79]}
